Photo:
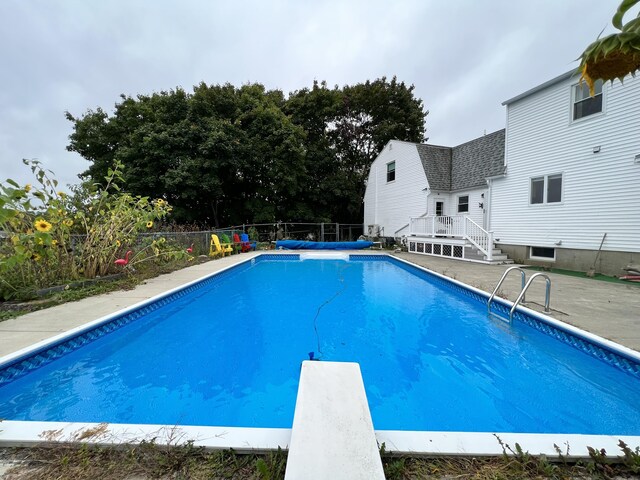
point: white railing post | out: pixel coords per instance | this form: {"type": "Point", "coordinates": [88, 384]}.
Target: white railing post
{"type": "Point", "coordinates": [464, 227]}
{"type": "Point", "coordinates": [433, 226]}
{"type": "Point", "coordinates": [490, 247]}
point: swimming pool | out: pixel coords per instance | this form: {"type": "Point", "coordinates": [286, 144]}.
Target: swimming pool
{"type": "Point", "coordinates": [226, 351]}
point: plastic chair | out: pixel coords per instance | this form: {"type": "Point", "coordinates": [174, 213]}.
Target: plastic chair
{"type": "Point", "coordinates": [218, 249]}
{"type": "Point", "coordinates": [246, 243]}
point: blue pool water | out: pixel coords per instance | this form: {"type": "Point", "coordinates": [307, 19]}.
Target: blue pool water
{"type": "Point", "coordinates": [229, 354]}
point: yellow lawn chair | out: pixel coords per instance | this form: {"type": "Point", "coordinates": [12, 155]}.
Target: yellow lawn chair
{"type": "Point", "coordinates": [218, 249]}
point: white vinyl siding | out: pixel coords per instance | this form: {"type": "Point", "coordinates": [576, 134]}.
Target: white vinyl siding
{"type": "Point", "coordinates": [391, 204]}
{"type": "Point", "coordinates": [475, 213]}
{"type": "Point", "coordinates": [599, 190]}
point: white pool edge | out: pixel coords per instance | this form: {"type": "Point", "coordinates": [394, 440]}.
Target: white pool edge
{"type": "Point", "coordinates": [260, 440]}
{"type": "Point", "coordinates": [250, 440]}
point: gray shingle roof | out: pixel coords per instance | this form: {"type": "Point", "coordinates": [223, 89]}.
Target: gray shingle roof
{"type": "Point", "coordinates": [474, 161]}
{"type": "Point", "coordinates": [465, 166]}
{"type": "Point", "coordinates": [436, 162]}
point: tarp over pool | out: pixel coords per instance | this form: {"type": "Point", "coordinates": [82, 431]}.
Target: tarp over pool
{"type": "Point", "coordinates": [303, 245]}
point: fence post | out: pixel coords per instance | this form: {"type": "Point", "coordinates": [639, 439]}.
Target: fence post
{"type": "Point", "coordinates": [337, 232]}
{"type": "Point", "coordinates": [322, 232]}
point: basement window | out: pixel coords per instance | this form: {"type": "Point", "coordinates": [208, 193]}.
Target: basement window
{"type": "Point", "coordinates": [542, 253]}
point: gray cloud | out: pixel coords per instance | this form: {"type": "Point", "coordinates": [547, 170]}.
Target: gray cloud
{"type": "Point", "coordinates": [464, 57]}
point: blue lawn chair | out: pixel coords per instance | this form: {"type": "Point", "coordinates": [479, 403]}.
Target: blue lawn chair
{"type": "Point", "coordinates": [246, 243]}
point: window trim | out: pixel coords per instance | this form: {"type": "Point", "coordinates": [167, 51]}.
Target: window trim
{"type": "Point", "coordinates": [573, 103]}
{"type": "Point", "coordinates": [393, 162]}
{"type": "Point", "coordinates": [545, 189]}
{"type": "Point", "coordinates": [458, 203]}
{"type": "Point", "coordinates": [542, 259]}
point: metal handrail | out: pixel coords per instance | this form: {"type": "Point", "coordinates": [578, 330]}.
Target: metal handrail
{"type": "Point", "coordinates": [547, 296]}
{"type": "Point", "coordinates": [523, 275]}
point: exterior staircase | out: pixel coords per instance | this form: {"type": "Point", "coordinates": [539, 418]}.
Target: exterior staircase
{"type": "Point", "coordinates": [456, 237]}
{"type": "Point", "coordinates": [498, 258]}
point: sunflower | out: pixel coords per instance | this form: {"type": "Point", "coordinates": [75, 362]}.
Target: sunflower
{"type": "Point", "coordinates": [42, 225]}
{"type": "Point", "coordinates": [27, 187]}
{"type": "Point", "coordinates": [36, 257]}
{"type": "Point", "coordinates": [54, 243]}
{"type": "Point", "coordinates": [67, 222]}
{"type": "Point", "coordinates": [149, 224]}
{"type": "Point", "coordinates": [118, 243]}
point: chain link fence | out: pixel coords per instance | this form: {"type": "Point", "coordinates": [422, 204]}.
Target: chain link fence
{"type": "Point", "coordinates": [264, 233]}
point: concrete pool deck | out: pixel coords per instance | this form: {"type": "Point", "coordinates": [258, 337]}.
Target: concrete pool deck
{"type": "Point", "coordinates": [609, 310]}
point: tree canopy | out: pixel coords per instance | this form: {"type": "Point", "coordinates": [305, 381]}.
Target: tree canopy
{"type": "Point", "coordinates": [225, 155]}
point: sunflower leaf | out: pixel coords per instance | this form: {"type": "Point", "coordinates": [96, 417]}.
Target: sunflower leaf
{"type": "Point", "coordinates": [622, 9]}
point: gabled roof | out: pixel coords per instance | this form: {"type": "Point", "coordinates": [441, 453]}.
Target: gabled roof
{"type": "Point", "coordinates": [474, 161]}
{"type": "Point", "coordinates": [436, 162]}
{"type": "Point", "coordinates": [544, 85]}
{"type": "Point", "coordinates": [465, 166]}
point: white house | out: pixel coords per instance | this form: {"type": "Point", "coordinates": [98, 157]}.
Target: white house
{"type": "Point", "coordinates": [435, 186]}
{"type": "Point", "coordinates": [572, 175]}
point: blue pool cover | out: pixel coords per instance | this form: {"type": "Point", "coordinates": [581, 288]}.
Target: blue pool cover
{"type": "Point", "coordinates": [303, 245]}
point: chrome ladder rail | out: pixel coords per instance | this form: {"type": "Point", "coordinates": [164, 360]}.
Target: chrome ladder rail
{"type": "Point", "coordinates": [523, 275]}
{"type": "Point", "coordinates": [546, 297]}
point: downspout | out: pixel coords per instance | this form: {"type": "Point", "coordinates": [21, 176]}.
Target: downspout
{"type": "Point", "coordinates": [489, 202]}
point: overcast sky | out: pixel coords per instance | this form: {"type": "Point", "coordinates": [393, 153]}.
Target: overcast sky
{"type": "Point", "coordinates": [465, 57]}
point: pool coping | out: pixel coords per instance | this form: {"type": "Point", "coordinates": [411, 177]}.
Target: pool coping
{"type": "Point", "coordinates": [241, 439]}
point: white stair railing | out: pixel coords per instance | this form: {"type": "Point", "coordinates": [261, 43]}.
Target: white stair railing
{"type": "Point", "coordinates": [479, 237]}
{"type": "Point", "coordinates": [457, 226]}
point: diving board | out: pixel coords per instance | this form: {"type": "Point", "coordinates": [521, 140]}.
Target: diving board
{"type": "Point", "coordinates": [332, 435]}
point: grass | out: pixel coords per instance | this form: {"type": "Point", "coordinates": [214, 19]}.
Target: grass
{"type": "Point", "coordinates": [573, 273]}
{"type": "Point", "coordinates": [147, 460]}
{"type": "Point", "coordinates": [12, 310]}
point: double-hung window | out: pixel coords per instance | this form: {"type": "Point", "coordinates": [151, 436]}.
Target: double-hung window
{"type": "Point", "coordinates": [463, 203]}
{"type": "Point", "coordinates": [583, 103]}
{"type": "Point", "coordinates": [391, 171]}
{"type": "Point", "coordinates": [546, 189]}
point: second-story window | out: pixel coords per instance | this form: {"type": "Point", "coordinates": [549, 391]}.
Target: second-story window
{"type": "Point", "coordinates": [583, 103]}
{"type": "Point", "coordinates": [391, 171]}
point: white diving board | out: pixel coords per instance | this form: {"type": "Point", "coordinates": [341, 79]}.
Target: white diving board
{"type": "Point", "coordinates": [332, 436]}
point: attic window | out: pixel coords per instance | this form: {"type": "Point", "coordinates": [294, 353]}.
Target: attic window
{"type": "Point", "coordinates": [583, 103]}
{"type": "Point", "coordinates": [391, 171]}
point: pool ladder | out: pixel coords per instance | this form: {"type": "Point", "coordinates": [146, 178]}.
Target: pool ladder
{"type": "Point", "coordinates": [525, 287]}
